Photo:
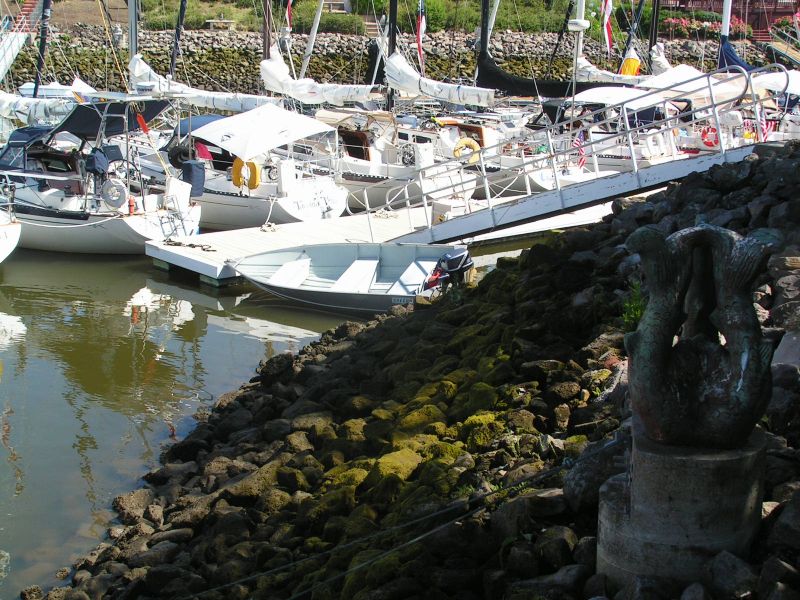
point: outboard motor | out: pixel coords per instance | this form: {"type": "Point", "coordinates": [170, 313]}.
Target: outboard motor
{"type": "Point", "coordinates": [450, 269]}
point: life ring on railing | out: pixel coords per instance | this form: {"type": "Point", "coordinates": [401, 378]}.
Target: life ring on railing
{"type": "Point", "coordinates": [710, 136]}
{"type": "Point", "coordinates": [465, 143]}
{"type": "Point", "coordinates": [237, 175]}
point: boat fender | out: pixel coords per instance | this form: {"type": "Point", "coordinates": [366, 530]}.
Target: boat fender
{"type": "Point", "coordinates": [710, 136]}
{"type": "Point", "coordinates": [178, 155]}
{"type": "Point", "coordinates": [465, 143]}
{"type": "Point", "coordinates": [114, 193]}
{"type": "Point", "coordinates": [237, 175]}
{"type": "Point", "coordinates": [131, 205]}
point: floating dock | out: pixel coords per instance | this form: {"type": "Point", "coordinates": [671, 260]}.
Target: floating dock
{"type": "Point", "coordinates": [212, 255]}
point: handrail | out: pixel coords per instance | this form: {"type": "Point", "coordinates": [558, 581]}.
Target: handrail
{"type": "Point", "coordinates": [711, 110]}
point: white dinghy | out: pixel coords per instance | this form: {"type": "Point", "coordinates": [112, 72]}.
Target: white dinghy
{"type": "Point", "coordinates": [354, 277]}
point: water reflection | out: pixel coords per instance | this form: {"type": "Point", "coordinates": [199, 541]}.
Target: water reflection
{"type": "Point", "coordinates": [101, 362]}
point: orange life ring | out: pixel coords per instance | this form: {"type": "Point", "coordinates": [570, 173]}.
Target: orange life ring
{"type": "Point", "coordinates": [253, 174]}
{"type": "Point", "coordinates": [710, 136]}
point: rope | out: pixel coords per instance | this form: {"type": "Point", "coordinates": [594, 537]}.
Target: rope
{"type": "Point", "coordinates": [113, 49]}
{"type": "Point", "coordinates": [513, 489]}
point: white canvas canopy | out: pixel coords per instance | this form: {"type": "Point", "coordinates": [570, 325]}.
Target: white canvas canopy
{"type": "Point", "coordinates": [634, 99]}
{"type": "Point", "coordinates": [402, 76]}
{"type": "Point", "coordinates": [145, 80]}
{"type": "Point", "coordinates": [686, 81]}
{"type": "Point", "coordinates": [256, 132]}
{"type": "Point", "coordinates": [777, 81]}
{"type": "Point", "coordinates": [276, 77]}
{"type": "Point", "coordinates": [57, 90]}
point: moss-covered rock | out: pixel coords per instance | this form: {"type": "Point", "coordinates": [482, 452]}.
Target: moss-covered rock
{"type": "Point", "coordinates": [418, 419]}
{"type": "Point", "coordinates": [481, 397]}
{"type": "Point", "coordinates": [400, 464]}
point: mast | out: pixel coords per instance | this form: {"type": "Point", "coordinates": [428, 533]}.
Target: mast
{"type": "Point", "coordinates": [654, 24]}
{"type": "Point", "coordinates": [632, 29]}
{"type": "Point", "coordinates": [133, 27]}
{"type": "Point", "coordinates": [44, 24]}
{"type": "Point", "coordinates": [312, 36]}
{"type": "Point", "coordinates": [392, 45]}
{"type": "Point", "coordinates": [726, 20]}
{"type": "Point", "coordinates": [267, 28]}
{"type": "Point", "coordinates": [177, 43]}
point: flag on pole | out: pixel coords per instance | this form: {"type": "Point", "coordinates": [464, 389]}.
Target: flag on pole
{"type": "Point", "coordinates": [578, 143]}
{"type": "Point", "coordinates": [767, 127]}
{"type": "Point", "coordinates": [289, 13]}
{"type": "Point", "coordinates": [631, 64]}
{"type": "Point", "coordinates": [606, 25]}
{"type": "Point", "coordinates": [421, 25]}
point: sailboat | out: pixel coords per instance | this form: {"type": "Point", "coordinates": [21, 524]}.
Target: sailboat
{"type": "Point", "coordinates": [73, 191]}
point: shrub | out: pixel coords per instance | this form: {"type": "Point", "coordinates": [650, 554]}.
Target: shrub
{"type": "Point", "coordinates": [633, 307]}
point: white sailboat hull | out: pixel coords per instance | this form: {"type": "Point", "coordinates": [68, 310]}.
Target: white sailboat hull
{"type": "Point", "coordinates": [101, 233]}
{"type": "Point", "coordinates": [9, 235]}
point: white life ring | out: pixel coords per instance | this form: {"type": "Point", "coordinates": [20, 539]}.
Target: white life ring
{"type": "Point", "coordinates": [114, 192]}
{"type": "Point", "coordinates": [467, 143]}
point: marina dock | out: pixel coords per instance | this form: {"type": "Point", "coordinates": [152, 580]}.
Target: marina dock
{"type": "Point", "coordinates": [212, 255]}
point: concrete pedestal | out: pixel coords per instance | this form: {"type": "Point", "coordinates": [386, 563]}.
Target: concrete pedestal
{"type": "Point", "coordinates": [679, 508]}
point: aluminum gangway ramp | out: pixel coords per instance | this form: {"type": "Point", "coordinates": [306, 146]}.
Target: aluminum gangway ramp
{"type": "Point", "coordinates": [569, 198]}
{"type": "Point", "coordinates": [14, 39]}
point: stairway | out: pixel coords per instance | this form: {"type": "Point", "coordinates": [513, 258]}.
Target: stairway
{"type": "Point", "coordinates": [371, 27]}
{"type": "Point", "coordinates": [786, 50]}
{"type": "Point", "coordinates": [761, 36]}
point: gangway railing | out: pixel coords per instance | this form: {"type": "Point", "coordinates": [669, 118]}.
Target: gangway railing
{"type": "Point", "coordinates": [14, 39]}
{"type": "Point", "coordinates": [706, 120]}
{"type": "Point", "coordinates": [785, 44]}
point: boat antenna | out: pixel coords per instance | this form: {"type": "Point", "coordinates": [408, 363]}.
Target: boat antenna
{"type": "Point", "coordinates": [177, 43]}
{"type": "Point", "coordinates": [44, 24]}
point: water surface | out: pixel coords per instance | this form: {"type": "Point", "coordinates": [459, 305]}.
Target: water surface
{"type": "Point", "coordinates": [101, 362]}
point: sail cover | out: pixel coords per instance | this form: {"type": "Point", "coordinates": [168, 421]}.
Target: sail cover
{"type": "Point", "coordinates": [256, 132]}
{"type": "Point", "coordinates": [144, 80]}
{"type": "Point", "coordinates": [402, 76]}
{"type": "Point", "coordinates": [34, 110]}
{"type": "Point", "coordinates": [276, 77]}
{"type": "Point", "coordinates": [588, 72]}
{"type": "Point", "coordinates": [728, 56]}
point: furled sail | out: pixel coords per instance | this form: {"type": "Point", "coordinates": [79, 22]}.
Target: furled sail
{"type": "Point", "coordinates": [34, 110]}
{"type": "Point", "coordinates": [144, 80]}
{"type": "Point", "coordinates": [276, 77]}
{"type": "Point", "coordinates": [403, 77]}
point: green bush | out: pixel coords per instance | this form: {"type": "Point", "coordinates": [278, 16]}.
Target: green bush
{"type": "Point", "coordinates": [303, 18]}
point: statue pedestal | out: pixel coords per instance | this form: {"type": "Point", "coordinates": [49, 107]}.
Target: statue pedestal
{"type": "Point", "coordinates": [679, 508]}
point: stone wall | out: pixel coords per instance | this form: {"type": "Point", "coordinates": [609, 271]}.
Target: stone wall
{"type": "Point", "coordinates": [224, 60]}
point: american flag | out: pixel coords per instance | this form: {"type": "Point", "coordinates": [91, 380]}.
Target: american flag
{"type": "Point", "coordinates": [578, 143]}
{"type": "Point", "coordinates": [767, 127]}
{"type": "Point", "coordinates": [421, 26]}
{"type": "Point", "coordinates": [289, 13]}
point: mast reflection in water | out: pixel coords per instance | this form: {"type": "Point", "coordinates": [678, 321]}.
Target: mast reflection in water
{"type": "Point", "coordinates": [102, 361]}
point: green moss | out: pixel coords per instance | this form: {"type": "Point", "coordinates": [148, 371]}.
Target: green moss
{"type": "Point", "coordinates": [383, 414]}
{"type": "Point", "coordinates": [575, 444]}
{"type": "Point", "coordinates": [351, 477]}
{"type": "Point", "coordinates": [400, 464]}
{"type": "Point", "coordinates": [418, 443]}
{"type": "Point", "coordinates": [462, 377]}
{"type": "Point", "coordinates": [438, 475]}
{"type": "Point", "coordinates": [444, 452]}
{"type": "Point", "coordinates": [439, 429]}
{"type": "Point", "coordinates": [480, 438]}
{"type": "Point", "coordinates": [417, 420]}
{"type": "Point", "coordinates": [479, 419]}
{"type": "Point", "coordinates": [356, 579]}
{"type": "Point", "coordinates": [481, 397]}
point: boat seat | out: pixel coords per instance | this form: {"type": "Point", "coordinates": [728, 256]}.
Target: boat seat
{"type": "Point", "coordinates": [291, 274]}
{"type": "Point", "coordinates": [357, 278]}
{"type": "Point", "coordinates": [409, 282]}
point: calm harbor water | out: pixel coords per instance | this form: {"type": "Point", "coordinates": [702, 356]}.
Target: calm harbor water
{"type": "Point", "coordinates": [100, 360]}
